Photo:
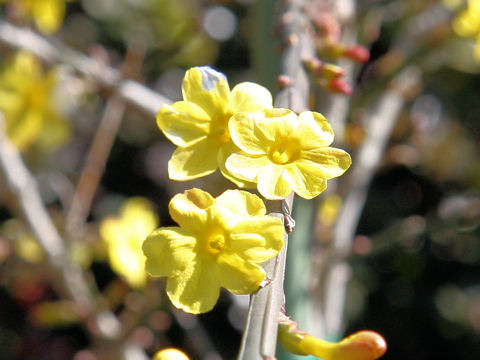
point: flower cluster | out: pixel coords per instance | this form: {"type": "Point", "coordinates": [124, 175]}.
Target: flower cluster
{"type": "Point", "coordinates": [221, 242]}
{"type": "Point", "coordinates": [249, 141]}
{"type": "Point", "coordinates": [198, 125]}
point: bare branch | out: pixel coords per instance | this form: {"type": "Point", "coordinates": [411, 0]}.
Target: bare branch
{"type": "Point", "coordinates": [370, 154]}
{"type": "Point", "coordinates": [52, 52]}
{"type": "Point", "coordinates": [94, 165]}
{"type": "Point", "coordinates": [380, 126]}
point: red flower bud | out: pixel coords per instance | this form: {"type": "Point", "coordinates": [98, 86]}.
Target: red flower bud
{"type": "Point", "coordinates": [283, 81]}
{"type": "Point", "coordinates": [340, 86]}
{"type": "Point", "coordinates": [358, 53]}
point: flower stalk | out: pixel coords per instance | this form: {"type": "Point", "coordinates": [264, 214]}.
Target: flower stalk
{"type": "Point", "coordinates": [260, 334]}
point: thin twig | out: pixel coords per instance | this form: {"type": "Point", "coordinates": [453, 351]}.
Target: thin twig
{"type": "Point", "coordinates": [94, 165]}
{"type": "Point", "coordinates": [379, 128]}
{"type": "Point", "coordinates": [53, 51]}
{"type": "Point", "coordinates": [100, 149]}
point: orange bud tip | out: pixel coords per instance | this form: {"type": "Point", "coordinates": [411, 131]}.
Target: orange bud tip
{"type": "Point", "coordinates": [340, 86]}
{"type": "Point", "coordinates": [358, 53]}
{"type": "Point", "coordinates": [284, 81]}
{"type": "Point", "coordinates": [363, 345]}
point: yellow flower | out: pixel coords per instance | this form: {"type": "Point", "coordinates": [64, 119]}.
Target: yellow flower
{"type": "Point", "coordinates": [282, 152]}
{"type": "Point", "coordinates": [219, 243]}
{"type": "Point", "coordinates": [170, 354]}
{"type": "Point", "coordinates": [124, 236]}
{"type": "Point", "coordinates": [467, 24]}
{"type": "Point", "coordinates": [26, 102]}
{"type": "Point", "coordinates": [198, 125]}
{"type": "Point", "coordinates": [47, 14]}
{"type": "Point", "coordinates": [362, 345]}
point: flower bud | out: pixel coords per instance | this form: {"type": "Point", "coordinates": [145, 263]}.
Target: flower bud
{"type": "Point", "coordinates": [332, 71]}
{"type": "Point", "coordinates": [340, 86]}
{"type": "Point", "coordinates": [322, 69]}
{"type": "Point", "coordinates": [284, 81]}
{"type": "Point", "coordinates": [362, 345]}
{"type": "Point", "coordinates": [314, 65]}
{"type": "Point", "coordinates": [357, 52]}
{"type": "Point", "coordinates": [170, 354]}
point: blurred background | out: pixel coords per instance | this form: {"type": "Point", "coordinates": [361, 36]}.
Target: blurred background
{"type": "Point", "coordinates": [410, 269]}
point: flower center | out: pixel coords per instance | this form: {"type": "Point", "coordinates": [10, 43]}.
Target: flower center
{"type": "Point", "coordinates": [214, 244]}
{"type": "Point", "coordinates": [37, 96]}
{"type": "Point", "coordinates": [219, 129]}
{"type": "Point", "coordinates": [284, 153]}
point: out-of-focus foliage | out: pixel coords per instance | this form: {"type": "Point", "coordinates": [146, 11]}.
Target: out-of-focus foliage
{"type": "Point", "coordinates": [28, 102]}
{"type": "Point", "coordinates": [171, 29]}
{"type": "Point", "coordinates": [467, 24]}
{"type": "Point", "coordinates": [47, 14]}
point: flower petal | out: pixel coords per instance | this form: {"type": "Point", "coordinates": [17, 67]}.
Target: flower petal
{"type": "Point", "coordinates": [241, 203]}
{"type": "Point", "coordinates": [197, 288]}
{"type": "Point", "coordinates": [225, 151]}
{"type": "Point", "coordinates": [194, 161]}
{"type": "Point", "coordinates": [271, 184]}
{"type": "Point", "coordinates": [48, 15]}
{"type": "Point", "coordinates": [249, 97]}
{"type": "Point", "coordinates": [183, 123]}
{"type": "Point", "coordinates": [276, 124]}
{"type": "Point", "coordinates": [208, 89]}
{"type": "Point", "coordinates": [128, 262]}
{"type": "Point", "coordinates": [169, 251]}
{"type": "Point", "coordinates": [305, 182]}
{"type": "Point", "coordinates": [246, 167]}
{"type": "Point", "coordinates": [257, 239]}
{"type": "Point", "coordinates": [24, 130]}
{"type": "Point", "coordinates": [313, 130]}
{"type": "Point", "coordinates": [55, 132]}
{"type": "Point", "coordinates": [239, 275]}
{"type": "Point", "coordinates": [332, 162]}
{"type": "Point", "coordinates": [188, 209]}
{"type": "Point", "coordinates": [245, 135]}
